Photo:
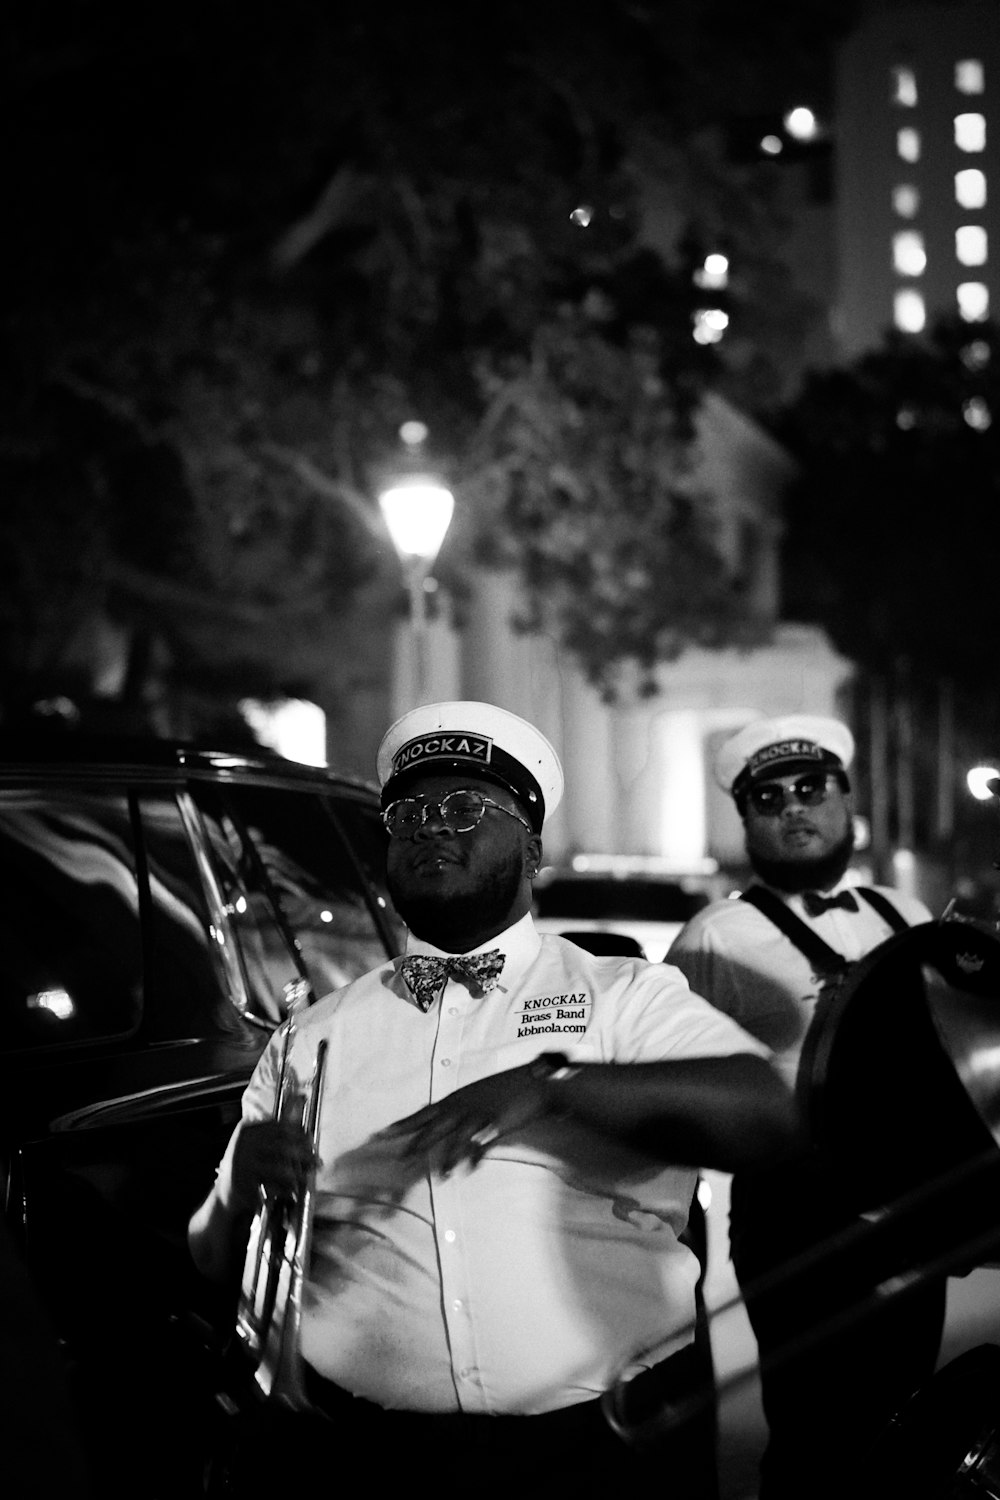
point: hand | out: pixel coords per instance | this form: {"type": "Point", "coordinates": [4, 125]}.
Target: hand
{"type": "Point", "coordinates": [465, 1125]}
{"type": "Point", "coordinates": [273, 1155]}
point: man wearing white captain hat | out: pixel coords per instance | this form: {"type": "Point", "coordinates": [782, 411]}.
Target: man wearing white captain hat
{"type": "Point", "coordinates": [764, 960]}
{"type": "Point", "coordinates": [497, 1257]}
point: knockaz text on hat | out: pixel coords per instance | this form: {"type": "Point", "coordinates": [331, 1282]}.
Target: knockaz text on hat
{"type": "Point", "coordinates": [775, 747]}
{"type": "Point", "coordinates": [479, 739]}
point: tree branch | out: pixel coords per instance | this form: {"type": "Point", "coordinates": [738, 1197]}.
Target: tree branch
{"type": "Point", "coordinates": [329, 210]}
{"type": "Point", "coordinates": [328, 489]}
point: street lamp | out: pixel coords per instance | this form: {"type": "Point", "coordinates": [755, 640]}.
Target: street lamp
{"type": "Point", "coordinates": [417, 508]}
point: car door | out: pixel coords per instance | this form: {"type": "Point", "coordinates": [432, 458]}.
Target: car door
{"type": "Point", "coordinates": [149, 933]}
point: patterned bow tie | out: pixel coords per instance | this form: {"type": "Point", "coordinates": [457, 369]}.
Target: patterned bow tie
{"type": "Point", "coordinates": [426, 976]}
{"type": "Point", "coordinates": [816, 905]}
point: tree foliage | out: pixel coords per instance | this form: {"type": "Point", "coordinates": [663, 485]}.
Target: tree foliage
{"type": "Point", "coordinates": [251, 238]}
{"type": "Point", "coordinates": [893, 540]}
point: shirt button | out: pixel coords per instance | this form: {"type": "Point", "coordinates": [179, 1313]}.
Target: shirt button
{"type": "Point", "coordinates": [446, 1062]}
{"type": "Point", "coordinates": [468, 1374]}
{"type": "Point", "coordinates": [453, 1010]}
{"type": "Point", "coordinates": [450, 1236]}
{"type": "Point", "coordinates": [457, 1305]}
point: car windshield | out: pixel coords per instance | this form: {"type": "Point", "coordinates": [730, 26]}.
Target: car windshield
{"type": "Point", "coordinates": [296, 895]}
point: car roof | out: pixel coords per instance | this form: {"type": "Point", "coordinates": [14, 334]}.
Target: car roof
{"type": "Point", "coordinates": [35, 751]}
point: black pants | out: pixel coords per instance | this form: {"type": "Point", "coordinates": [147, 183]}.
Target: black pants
{"type": "Point", "coordinates": [843, 1343]}
{"type": "Point", "coordinates": [573, 1451]}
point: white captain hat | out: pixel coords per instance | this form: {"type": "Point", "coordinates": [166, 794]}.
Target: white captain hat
{"type": "Point", "coordinates": [478, 739]}
{"type": "Point", "coordinates": [777, 747]}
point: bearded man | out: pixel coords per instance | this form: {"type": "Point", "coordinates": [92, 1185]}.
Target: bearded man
{"type": "Point", "coordinates": [499, 1296]}
{"type": "Point", "coordinates": [832, 1376]}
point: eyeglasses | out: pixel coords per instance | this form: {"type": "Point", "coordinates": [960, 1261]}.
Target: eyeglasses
{"type": "Point", "coordinates": [460, 812]}
{"type": "Point", "coordinates": [770, 797]}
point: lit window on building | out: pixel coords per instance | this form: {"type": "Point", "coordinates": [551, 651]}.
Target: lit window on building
{"type": "Point", "coordinates": [908, 311]}
{"type": "Point", "coordinates": [970, 132]}
{"type": "Point", "coordinates": [977, 413]}
{"type": "Point", "coordinates": [973, 299]}
{"type": "Point", "coordinates": [904, 86]}
{"type": "Point", "coordinates": [970, 245]}
{"type": "Point", "coordinates": [908, 255]}
{"type": "Point", "coordinates": [976, 354]}
{"type": "Point", "coordinates": [906, 200]}
{"type": "Point", "coordinates": [772, 145]}
{"type": "Point", "coordinates": [969, 76]}
{"type": "Point", "coordinates": [970, 188]}
{"type": "Point", "coordinates": [908, 144]}
{"type": "Point", "coordinates": [714, 272]}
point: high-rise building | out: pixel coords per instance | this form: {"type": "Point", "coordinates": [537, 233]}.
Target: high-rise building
{"type": "Point", "coordinates": [917, 164]}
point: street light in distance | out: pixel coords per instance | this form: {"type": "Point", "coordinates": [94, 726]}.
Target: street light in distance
{"type": "Point", "coordinates": [417, 508]}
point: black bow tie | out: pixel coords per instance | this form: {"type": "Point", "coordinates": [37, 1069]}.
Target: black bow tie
{"type": "Point", "coordinates": [816, 905]}
{"type": "Point", "coordinates": [427, 975]}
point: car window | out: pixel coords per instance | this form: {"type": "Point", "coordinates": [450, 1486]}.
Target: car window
{"type": "Point", "coordinates": [292, 892]}
{"type": "Point", "coordinates": [70, 946]}
{"type": "Point", "coordinates": [194, 985]}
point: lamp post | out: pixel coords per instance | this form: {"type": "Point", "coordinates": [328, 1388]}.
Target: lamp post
{"type": "Point", "coordinates": [417, 509]}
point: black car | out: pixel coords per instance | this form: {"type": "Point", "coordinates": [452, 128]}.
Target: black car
{"type": "Point", "coordinates": [161, 906]}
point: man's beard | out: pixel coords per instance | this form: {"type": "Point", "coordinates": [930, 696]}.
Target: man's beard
{"type": "Point", "coordinates": [439, 918]}
{"type": "Point", "coordinates": [814, 875]}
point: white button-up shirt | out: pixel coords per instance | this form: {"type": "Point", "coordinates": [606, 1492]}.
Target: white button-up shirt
{"type": "Point", "coordinates": [547, 1272]}
{"type": "Point", "coordinates": [736, 956]}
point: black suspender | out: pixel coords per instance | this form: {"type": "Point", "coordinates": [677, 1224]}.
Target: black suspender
{"type": "Point", "coordinates": [824, 959]}
{"type": "Point", "coordinates": [884, 907]}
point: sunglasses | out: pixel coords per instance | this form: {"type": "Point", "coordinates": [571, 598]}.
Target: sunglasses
{"type": "Point", "coordinates": [459, 812]}
{"type": "Point", "coordinates": [770, 797]}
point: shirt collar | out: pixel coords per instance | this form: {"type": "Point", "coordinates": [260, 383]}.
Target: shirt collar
{"type": "Point", "coordinates": [520, 945]}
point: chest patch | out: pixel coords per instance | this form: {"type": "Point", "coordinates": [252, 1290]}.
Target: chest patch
{"type": "Point", "coordinates": [545, 1014]}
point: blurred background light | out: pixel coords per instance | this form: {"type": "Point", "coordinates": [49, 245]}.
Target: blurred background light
{"type": "Point", "coordinates": [294, 728]}
{"type": "Point", "coordinates": [970, 245]}
{"type": "Point", "coordinates": [977, 781]}
{"type": "Point", "coordinates": [906, 200]}
{"type": "Point", "coordinates": [970, 132]}
{"type": "Point", "coordinates": [970, 188]}
{"type": "Point", "coordinates": [908, 144]}
{"type": "Point", "coordinates": [801, 124]}
{"type": "Point", "coordinates": [977, 414]}
{"type": "Point", "coordinates": [909, 311]}
{"type": "Point", "coordinates": [969, 76]}
{"type": "Point", "coordinates": [710, 323]}
{"type": "Point", "coordinates": [908, 255]}
{"type": "Point", "coordinates": [904, 86]}
{"type": "Point", "coordinates": [713, 272]}
{"type": "Point", "coordinates": [973, 301]}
